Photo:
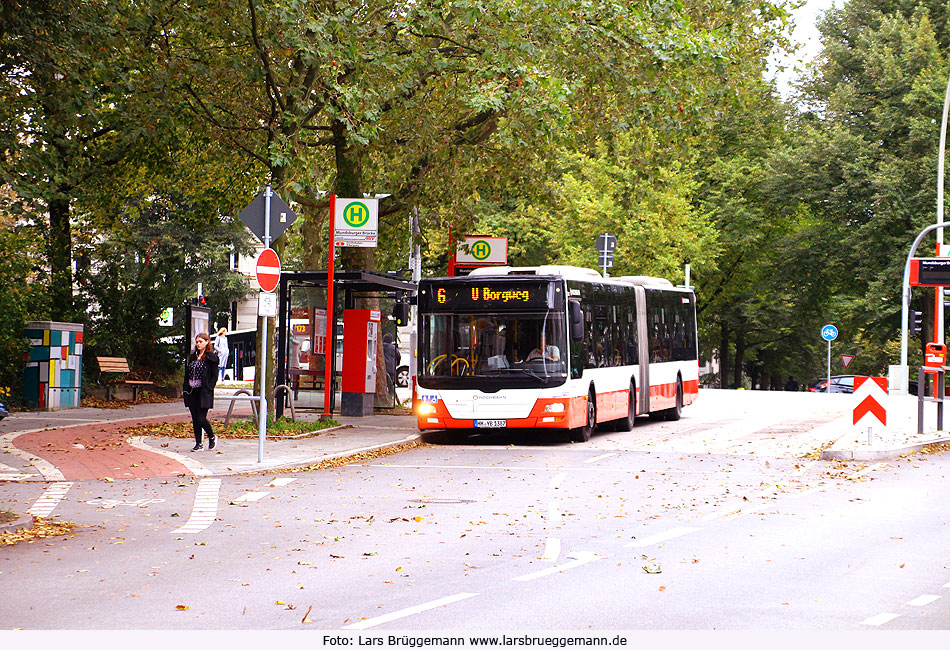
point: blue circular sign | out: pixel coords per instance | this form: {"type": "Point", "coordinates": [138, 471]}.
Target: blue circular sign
{"type": "Point", "coordinates": [829, 332]}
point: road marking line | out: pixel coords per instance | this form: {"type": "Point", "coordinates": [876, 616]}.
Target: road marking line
{"type": "Point", "coordinates": [722, 513]}
{"type": "Point", "coordinates": [251, 496]}
{"type": "Point", "coordinates": [662, 537]}
{"type": "Point", "coordinates": [50, 498]}
{"type": "Point", "coordinates": [552, 549]}
{"type": "Point", "coordinates": [867, 469]}
{"type": "Point", "coordinates": [805, 493]}
{"type": "Point", "coordinates": [205, 508]}
{"type": "Point", "coordinates": [556, 481]}
{"type": "Point", "coordinates": [583, 557]}
{"type": "Point", "coordinates": [601, 457]}
{"type": "Point", "coordinates": [47, 469]}
{"type": "Point", "coordinates": [921, 601]}
{"type": "Point", "coordinates": [880, 619]}
{"type": "Point", "coordinates": [554, 514]}
{"type": "Point", "coordinates": [281, 482]}
{"type": "Point", "coordinates": [409, 611]}
{"type": "Point", "coordinates": [193, 465]}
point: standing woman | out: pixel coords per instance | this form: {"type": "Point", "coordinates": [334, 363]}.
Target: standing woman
{"type": "Point", "coordinates": [201, 375]}
{"type": "Point", "coordinates": [221, 348]}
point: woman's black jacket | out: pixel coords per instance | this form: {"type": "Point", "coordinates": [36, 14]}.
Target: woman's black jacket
{"type": "Point", "coordinates": [203, 396]}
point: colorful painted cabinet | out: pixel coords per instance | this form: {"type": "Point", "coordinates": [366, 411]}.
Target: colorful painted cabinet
{"type": "Point", "coordinates": [52, 378]}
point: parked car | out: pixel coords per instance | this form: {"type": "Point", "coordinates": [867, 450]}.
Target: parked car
{"type": "Point", "coordinates": [3, 411]}
{"type": "Point", "coordinates": [839, 384]}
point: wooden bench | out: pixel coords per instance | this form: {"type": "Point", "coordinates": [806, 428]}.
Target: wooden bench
{"type": "Point", "coordinates": [120, 366]}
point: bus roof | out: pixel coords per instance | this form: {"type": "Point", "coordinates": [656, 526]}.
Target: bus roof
{"type": "Point", "coordinates": [569, 273]}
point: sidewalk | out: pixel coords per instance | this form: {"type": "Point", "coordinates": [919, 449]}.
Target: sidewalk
{"type": "Point", "coordinates": [88, 444]}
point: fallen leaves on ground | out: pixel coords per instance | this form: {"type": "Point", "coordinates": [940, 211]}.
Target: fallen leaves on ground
{"type": "Point", "coordinates": [41, 528]}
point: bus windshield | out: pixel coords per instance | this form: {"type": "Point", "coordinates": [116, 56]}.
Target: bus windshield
{"type": "Point", "coordinates": [517, 349]}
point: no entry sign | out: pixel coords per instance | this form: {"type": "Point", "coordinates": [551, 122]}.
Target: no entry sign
{"type": "Point", "coordinates": [267, 270]}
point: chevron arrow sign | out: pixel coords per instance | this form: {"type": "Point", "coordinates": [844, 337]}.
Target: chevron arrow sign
{"type": "Point", "coordinates": [870, 396]}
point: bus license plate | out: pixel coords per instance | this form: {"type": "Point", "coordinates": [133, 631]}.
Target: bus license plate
{"type": "Point", "coordinates": [490, 424]}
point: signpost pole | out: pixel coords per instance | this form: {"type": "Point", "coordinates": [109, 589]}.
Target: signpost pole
{"type": "Point", "coordinates": [330, 347]}
{"type": "Point", "coordinates": [262, 413]}
{"type": "Point", "coordinates": [829, 365]}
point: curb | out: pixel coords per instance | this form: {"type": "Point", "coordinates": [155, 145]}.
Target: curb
{"type": "Point", "coordinates": [319, 459]}
{"type": "Point", "coordinates": [17, 524]}
{"type": "Point", "coordinates": [878, 454]}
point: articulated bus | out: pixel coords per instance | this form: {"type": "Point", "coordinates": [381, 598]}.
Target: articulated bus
{"type": "Point", "coordinates": [553, 347]}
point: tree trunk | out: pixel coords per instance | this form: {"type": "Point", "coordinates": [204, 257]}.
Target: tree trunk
{"type": "Point", "coordinates": [723, 355]}
{"type": "Point", "coordinates": [349, 185]}
{"type": "Point", "coordinates": [59, 253]}
{"type": "Point", "coordinates": [739, 361]}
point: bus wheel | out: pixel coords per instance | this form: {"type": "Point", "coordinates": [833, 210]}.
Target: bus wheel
{"type": "Point", "coordinates": [582, 434]}
{"type": "Point", "coordinates": [626, 424]}
{"type": "Point", "coordinates": [676, 412]}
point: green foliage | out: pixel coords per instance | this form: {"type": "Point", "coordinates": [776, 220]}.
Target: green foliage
{"type": "Point", "coordinates": [21, 298]}
{"type": "Point", "coordinates": [151, 258]}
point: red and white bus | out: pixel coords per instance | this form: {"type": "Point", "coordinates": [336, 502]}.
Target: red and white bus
{"type": "Point", "coordinates": [553, 347]}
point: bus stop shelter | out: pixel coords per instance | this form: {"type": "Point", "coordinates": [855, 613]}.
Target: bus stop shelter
{"type": "Point", "coordinates": [305, 335]}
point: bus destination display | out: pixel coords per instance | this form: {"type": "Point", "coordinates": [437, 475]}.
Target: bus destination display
{"type": "Point", "coordinates": [482, 296]}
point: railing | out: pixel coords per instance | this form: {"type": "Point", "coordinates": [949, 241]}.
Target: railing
{"type": "Point", "coordinates": [939, 393]}
{"type": "Point", "coordinates": [244, 394]}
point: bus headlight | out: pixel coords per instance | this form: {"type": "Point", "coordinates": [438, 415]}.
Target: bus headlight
{"type": "Point", "coordinates": [554, 407]}
{"type": "Point", "coordinates": [426, 409]}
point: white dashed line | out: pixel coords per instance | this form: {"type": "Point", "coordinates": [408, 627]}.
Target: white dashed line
{"type": "Point", "coordinates": [281, 482]}
{"type": "Point", "coordinates": [601, 457]}
{"type": "Point", "coordinates": [921, 601]}
{"type": "Point", "coordinates": [409, 611]}
{"type": "Point", "coordinates": [50, 498]}
{"type": "Point", "coordinates": [662, 537]}
{"type": "Point", "coordinates": [247, 497]}
{"type": "Point", "coordinates": [556, 481]}
{"type": "Point", "coordinates": [205, 508]}
{"type": "Point", "coordinates": [880, 619]}
{"type": "Point", "coordinates": [582, 557]}
{"type": "Point", "coordinates": [554, 514]}
{"type": "Point", "coordinates": [552, 549]}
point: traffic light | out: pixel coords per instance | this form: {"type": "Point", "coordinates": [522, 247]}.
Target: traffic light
{"type": "Point", "coordinates": [199, 301]}
{"type": "Point", "coordinates": [916, 322]}
{"type": "Point", "coordinates": [401, 313]}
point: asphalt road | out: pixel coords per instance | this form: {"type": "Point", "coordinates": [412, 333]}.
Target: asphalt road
{"type": "Point", "coordinates": [498, 533]}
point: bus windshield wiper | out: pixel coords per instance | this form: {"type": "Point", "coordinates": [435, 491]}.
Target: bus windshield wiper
{"type": "Point", "coordinates": [530, 373]}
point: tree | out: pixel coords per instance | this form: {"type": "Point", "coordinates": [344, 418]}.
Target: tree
{"type": "Point", "coordinates": [72, 80]}
{"type": "Point", "coordinates": [867, 163]}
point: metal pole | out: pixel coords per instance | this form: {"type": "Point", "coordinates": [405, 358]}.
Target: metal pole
{"type": "Point", "coordinates": [905, 306]}
{"type": "Point", "coordinates": [262, 419]}
{"type": "Point", "coordinates": [939, 338]}
{"type": "Point", "coordinates": [829, 366]}
{"type": "Point", "coordinates": [330, 347]}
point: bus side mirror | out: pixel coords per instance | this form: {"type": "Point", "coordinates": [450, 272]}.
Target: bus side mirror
{"type": "Point", "coordinates": [576, 319]}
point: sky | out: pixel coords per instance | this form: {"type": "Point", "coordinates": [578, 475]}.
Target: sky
{"type": "Point", "coordinates": [806, 33]}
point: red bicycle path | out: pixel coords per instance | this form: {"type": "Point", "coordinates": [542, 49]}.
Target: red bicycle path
{"type": "Point", "coordinates": [101, 450]}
